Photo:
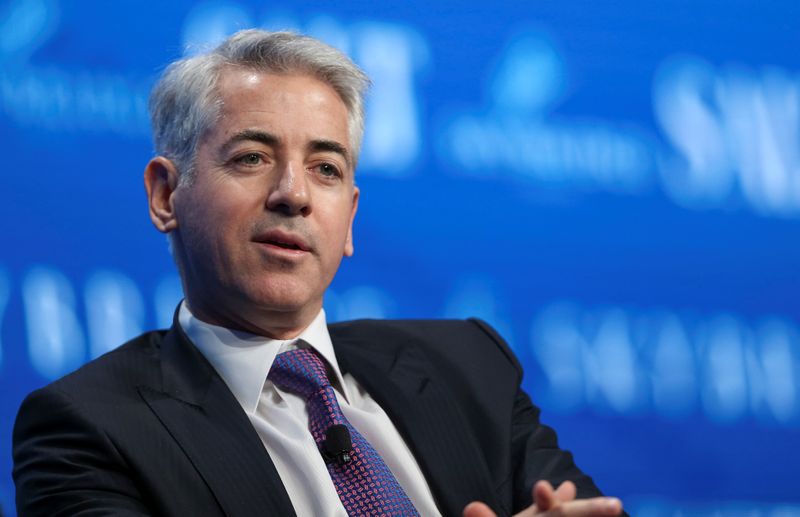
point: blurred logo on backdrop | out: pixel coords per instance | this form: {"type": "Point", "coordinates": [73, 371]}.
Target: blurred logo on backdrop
{"type": "Point", "coordinates": [62, 98]}
{"type": "Point", "coordinates": [57, 98]}
{"type": "Point", "coordinates": [732, 134]}
{"type": "Point", "coordinates": [628, 361]}
{"type": "Point", "coordinates": [517, 134]}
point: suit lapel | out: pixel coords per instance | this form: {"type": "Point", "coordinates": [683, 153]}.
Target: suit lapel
{"type": "Point", "coordinates": [422, 409]}
{"type": "Point", "coordinates": [203, 416]}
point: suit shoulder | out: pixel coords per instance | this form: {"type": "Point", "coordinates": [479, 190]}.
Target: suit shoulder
{"type": "Point", "coordinates": [93, 395]}
{"type": "Point", "coordinates": [430, 329]}
{"type": "Point", "coordinates": [415, 326]}
{"type": "Point", "coordinates": [470, 339]}
{"type": "Point", "coordinates": [126, 365]}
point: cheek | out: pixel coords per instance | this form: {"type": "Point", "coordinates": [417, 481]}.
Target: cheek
{"type": "Point", "coordinates": [211, 224]}
{"type": "Point", "coordinates": [221, 203]}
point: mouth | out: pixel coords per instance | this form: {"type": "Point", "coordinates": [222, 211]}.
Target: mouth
{"type": "Point", "coordinates": [283, 240]}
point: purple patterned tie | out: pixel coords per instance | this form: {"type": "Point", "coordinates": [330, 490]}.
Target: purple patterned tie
{"type": "Point", "coordinates": [365, 484]}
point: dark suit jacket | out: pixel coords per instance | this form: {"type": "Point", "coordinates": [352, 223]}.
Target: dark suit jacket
{"type": "Point", "coordinates": [150, 428]}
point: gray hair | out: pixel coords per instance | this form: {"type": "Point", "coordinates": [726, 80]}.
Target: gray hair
{"type": "Point", "coordinates": [185, 101]}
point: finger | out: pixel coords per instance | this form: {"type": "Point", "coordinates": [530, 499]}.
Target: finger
{"type": "Point", "coordinates": [566, 491]}
{"type": "Point", "coordinates": [544, 496]}
{"type": "Point", "coordinates": [477, 509]}
{"type": "Point", "coordinates": [596, 507]}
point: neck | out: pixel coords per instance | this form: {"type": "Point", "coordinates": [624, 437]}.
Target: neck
{"type": "Point", "coordinates": [273, 324]}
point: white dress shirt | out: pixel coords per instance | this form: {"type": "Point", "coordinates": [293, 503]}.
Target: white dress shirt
{"type": "Point", "coordinates": [280, 418]}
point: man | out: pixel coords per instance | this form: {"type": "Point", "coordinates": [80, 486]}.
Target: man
{"type": "Point", "coordinates": [233, 410]}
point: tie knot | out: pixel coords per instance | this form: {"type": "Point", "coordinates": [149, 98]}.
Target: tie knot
{"type": "Point", "coordinates": [300, 371]}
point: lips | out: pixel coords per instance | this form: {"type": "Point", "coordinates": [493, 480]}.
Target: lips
{"type": "Point", "coordinates": [284, 240]}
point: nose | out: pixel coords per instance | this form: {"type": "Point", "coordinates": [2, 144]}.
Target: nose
{"type": "Point", "coordinates": [289, 194]}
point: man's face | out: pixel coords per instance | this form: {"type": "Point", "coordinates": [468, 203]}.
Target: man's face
{"type": "Point", "coordinates": [262, 229]}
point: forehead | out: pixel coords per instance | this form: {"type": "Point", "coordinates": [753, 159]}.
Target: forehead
{"type": "Point", "coordinates": [299, 105]}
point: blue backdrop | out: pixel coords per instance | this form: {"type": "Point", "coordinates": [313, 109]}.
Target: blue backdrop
{"type": "Point", "coordinates": [614, 185]}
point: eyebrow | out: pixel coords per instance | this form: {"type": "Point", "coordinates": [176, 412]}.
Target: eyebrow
{"type": "Point", "coordinates": [330, 146]}
{"type": "Point", "coordinates": [268, 139]}
{"type": "Point", "coordinates": [253, 135]}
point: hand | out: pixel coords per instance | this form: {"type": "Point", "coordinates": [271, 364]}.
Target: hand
{"type": "Point", "coordinates": [550, 502]}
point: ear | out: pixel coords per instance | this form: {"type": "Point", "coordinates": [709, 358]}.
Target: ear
{"type": "Point", "coordinates": [160, 182]}
{"type": "Point", "coordinates": [348, 243]}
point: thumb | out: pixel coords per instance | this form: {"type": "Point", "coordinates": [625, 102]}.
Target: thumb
{"type": "Point", "coordinates": [477, 509]}
{"type": "Point", "coordinates": [544, 496]}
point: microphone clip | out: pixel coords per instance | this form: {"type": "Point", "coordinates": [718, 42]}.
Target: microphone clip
{"type": "Point", "coordinates": [338, 446]}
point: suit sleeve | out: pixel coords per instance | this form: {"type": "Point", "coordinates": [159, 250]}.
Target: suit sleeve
{"type": "Point", "coordinates": [535, 453]}
{"type": "Point", "coordinates": [537, 456]}
{"type": "Point", "coordinates": [65, 465]}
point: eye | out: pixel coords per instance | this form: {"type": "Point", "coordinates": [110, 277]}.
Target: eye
{"type": "Point", "coordinates": [250, 159]}
{"type": "Point", "coordinates": [328, 170]}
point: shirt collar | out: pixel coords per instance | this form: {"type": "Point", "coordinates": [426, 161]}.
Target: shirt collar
{"type": "Point", "coordinates": [243, 359]}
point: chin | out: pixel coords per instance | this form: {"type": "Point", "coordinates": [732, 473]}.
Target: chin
{"type": "Point", "coordinates": [285, 297]}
